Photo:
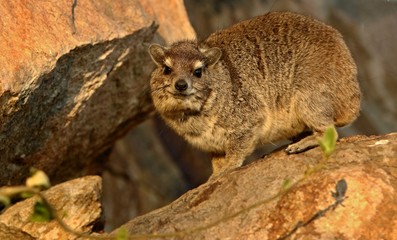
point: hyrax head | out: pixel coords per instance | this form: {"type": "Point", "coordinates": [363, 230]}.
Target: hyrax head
{"type": "Point", "coordinates": [181, 83]}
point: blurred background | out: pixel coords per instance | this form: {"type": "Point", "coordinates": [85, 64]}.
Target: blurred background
{"type": "Point", "coordinates": [151, 166]}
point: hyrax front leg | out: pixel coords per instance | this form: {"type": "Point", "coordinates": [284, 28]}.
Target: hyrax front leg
{"type": "Point", "coordinates": [222, 164]}
{"type": "Point", "coordinates": [316, 111]}
{"type": "Point", "coordinates": [235, 154]}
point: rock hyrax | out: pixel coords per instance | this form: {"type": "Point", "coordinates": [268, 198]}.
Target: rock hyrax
{"type": "Point", "coordinates": [262, 80]}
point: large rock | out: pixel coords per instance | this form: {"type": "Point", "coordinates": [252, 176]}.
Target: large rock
{"type": "Point", "coordinates": [78, 203]}
{"type": "Point", "coordinates": [249, 203]}
{"type": "Point", "coordinates": [74, 78]}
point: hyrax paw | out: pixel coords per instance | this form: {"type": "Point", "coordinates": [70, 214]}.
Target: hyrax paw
{"type": "Point", "coordinates": [303, 145]}
{"type": "Point", "coordinates": [213, 177]}
{"type": "Point", "coordinates": [217, 175]}
{"type": "Point", "coordinates": [297, 148]}
{"type": "Point", "coordinates": [291, 149]}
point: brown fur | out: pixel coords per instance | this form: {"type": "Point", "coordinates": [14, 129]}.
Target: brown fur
{"type": "Point", "coordinates": [262, 80]}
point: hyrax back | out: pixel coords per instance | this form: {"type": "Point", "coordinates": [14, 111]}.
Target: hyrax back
{"type": "Point", "coordinates": [261, 80]}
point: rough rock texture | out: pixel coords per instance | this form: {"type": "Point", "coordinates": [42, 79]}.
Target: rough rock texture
{"type": "Point", "coordinates": [78, 201]}
{"type": "Point", "coordinates": [74, 78]}
{"type": "Point", "coordinates": [241, 204]}
{"type": "Point", "coordinates": [12, 233]}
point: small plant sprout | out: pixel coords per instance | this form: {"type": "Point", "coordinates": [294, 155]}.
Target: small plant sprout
{"type": "Point", "coordinates": [287, 183]}
{"type": "Point", "coordinates": [41, 212]}
{"type": "Point", "coordinates": [122, 234]}
{"type": "Point", "coordinates": [328, 141]}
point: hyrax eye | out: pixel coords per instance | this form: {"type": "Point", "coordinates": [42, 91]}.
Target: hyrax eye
{"type": "Point", "coordinates": [198, 72]}
{"type": "Point", "coordinates": [167, 70]}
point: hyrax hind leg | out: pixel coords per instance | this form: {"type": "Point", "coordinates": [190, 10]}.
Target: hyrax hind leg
{"type": "Point", "coordinates": [317, 113]}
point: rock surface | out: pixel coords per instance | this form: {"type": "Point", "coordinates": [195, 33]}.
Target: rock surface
{"type": "Point", "coordinates": [248, 203]}
{"type": "Point", "coordinates": [12, 233]}
{"type": "Point", "coordinates": [78, 201]}
{"type": "Point", "coordinates": [74, 78]}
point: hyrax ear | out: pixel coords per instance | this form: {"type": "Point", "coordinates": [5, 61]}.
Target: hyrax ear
{"type": "Point", "coordinates": [212, 54]}
{"type": "Point", "coordinates": [157, 53]}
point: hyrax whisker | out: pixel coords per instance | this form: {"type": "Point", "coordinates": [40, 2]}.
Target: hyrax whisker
{"type": "Point", "coordinates": [159, 88]}
{"type": "Point", "coordinates": [265, 79]}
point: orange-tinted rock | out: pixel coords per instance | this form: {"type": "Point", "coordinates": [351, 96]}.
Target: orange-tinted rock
{"type": "Point", "coordinates": [73, 79]}
{"type": "Point", "coordinates": [250, 203]}
{"type": "Point", "coordinates": [77, 203]}
{"type": "Point", "coordinates": [173, 19]}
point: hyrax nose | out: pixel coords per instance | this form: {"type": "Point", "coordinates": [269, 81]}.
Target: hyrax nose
{"type": "Point", "coordinates": [181, 85]}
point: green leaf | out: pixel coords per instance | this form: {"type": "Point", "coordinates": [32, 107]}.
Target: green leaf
{"type": "Point", "coordinates": [122, 234]}
{"type": "Point", "coordinates": [41, 212]}
{"type": "Point", "coordinates": [286, 184]}
{"type": "Point", "coordinates": [328, 141]}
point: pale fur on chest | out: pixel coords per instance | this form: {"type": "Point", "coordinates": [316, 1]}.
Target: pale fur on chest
{"type": "Point", "coordinates": [202, 132]}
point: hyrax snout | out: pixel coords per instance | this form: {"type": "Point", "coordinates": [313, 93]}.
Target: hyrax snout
{"type": "Point", "coordinates": [262, 80]}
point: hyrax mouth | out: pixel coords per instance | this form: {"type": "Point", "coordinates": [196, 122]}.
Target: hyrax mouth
{"type": "Point", "coordinates": [181, 95]}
